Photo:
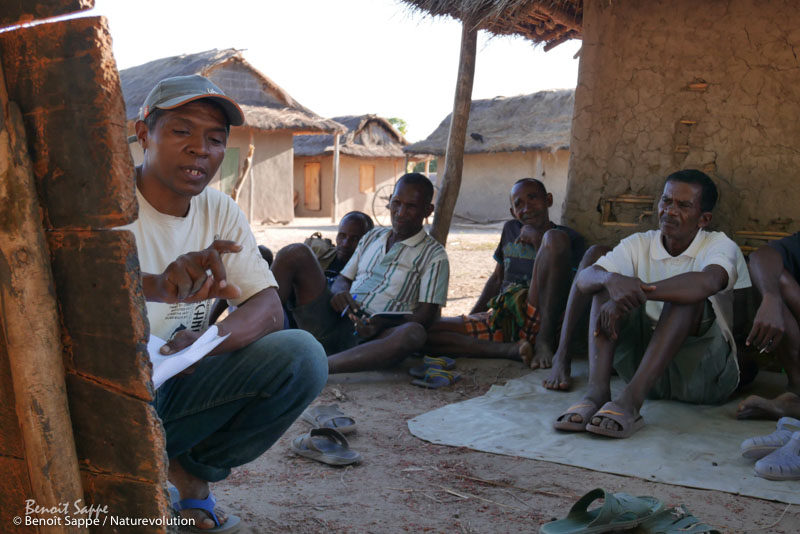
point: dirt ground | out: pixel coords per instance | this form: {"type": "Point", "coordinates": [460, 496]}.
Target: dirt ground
{"type": "Point", "coordinates": [408, 485]}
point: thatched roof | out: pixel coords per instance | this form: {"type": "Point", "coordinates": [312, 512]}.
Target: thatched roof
{"type": "Point", "coordinates": [543, 21]}
{"type": "Point", "coordinates": [539, 121]}
{"type": "Point", "coordinates": [266, 105]}
{"type": "Point", "coordinates": [367, 136]}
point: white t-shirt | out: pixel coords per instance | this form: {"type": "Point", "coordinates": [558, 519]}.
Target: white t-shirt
{"type": "Point", "coordinates": [161, 238]}
{"type": "Point", "coordinates": [643, 255]}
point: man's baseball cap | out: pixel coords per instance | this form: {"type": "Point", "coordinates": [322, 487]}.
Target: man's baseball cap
{"type": "Point", "coordinates": [172, 93]}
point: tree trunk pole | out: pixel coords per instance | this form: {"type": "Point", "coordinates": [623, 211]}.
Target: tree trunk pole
{"type": "Point", "coordinates": [335, 177]}
{"type": "Point", "coordinates": [29, 318]}
{"type": "Point", "coordinates": [454, 159]}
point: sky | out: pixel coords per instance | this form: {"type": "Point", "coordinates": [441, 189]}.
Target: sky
{"type": "Point", "coordinates": [345, 57]}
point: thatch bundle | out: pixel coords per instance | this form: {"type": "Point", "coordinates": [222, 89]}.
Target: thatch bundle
{"type": "Point", "coordinates": [543, 21]}
{"type": "Point", "coordinates": [367, 136]}
{"type": "Point", "coordinates": [265, 104]}
{"type": "Point", "coordinates": [539, 121]}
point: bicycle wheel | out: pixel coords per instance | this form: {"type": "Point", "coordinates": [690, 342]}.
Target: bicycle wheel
{"type": "Point", "coordinates": [380, 205]}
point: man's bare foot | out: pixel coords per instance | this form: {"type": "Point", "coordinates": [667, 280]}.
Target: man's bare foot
{"type": "Point", "coordinates": [560, 377]}
{"type": "Point", "coordinates": [755, 407]}
{"type": "Point", "coordinates": [542, 356]}
{"type": "Point", "coordinates": [524, 351]}
{"type": "Point", "coordinates": [191, 487]}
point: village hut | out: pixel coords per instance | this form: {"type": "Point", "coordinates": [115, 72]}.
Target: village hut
{"type": "Point", "coordinates": [663, 86]}
{"type": "Point", "coordinates": [272, 118]}
{"type": "Point", "coordinates": [371, 156]}
{"type": "Point", "coordinates": [508, 138]}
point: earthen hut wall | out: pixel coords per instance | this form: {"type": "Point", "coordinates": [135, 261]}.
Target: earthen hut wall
{"type": "Point", "coordinates": [665, 85]}
{"type": "Point", "coordinates": [387, 170]}
{"type": "Point", "coordinates": [271, 174]}
{"type": "Point", "coordinates": [487, 179]}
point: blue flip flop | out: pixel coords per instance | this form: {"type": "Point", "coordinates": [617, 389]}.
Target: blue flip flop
{"type": "Point", "coordinates": [432, 362]}
{"type": "Point", "coordinates": [207, 505]}
{"type": "Point", "coordinates": [436, 378]}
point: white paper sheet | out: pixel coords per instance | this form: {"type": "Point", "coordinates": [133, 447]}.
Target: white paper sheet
{"type": "Point", "coordinates": [165, 367]}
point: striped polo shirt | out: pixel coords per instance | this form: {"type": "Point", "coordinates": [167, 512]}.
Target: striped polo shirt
{"type": "Point", "coordinates": [414, 270]}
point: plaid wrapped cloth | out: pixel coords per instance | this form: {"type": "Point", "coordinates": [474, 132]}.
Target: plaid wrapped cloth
{"type": "Point", "coordinates": [510, 318]}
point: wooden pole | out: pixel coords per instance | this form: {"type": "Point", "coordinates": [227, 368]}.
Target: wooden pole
{"type": "Point", "coordinates": [335, 177]}
{"type": "Point", "coordinates": [248, 163]}
{"type": "Point", "coordinates": [454, 158]}
{"type": "Point", "coordinates": [252, 202]}
{"type": "Point", "coordinates": [29, 317]}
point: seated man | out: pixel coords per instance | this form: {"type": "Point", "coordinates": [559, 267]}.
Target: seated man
{"type": "Point", "coordinates": [332, 258]}
{"type": "Point", "coordinates": [775, 270]}
{"type": "Point", "coordinates": [662, 313]}
{"type": "Point", "coordinates": [236, 402]}
{"type": "Point", "coordinates": [527, 291]}
{"type": "Point", "coordinates": [397, 269]}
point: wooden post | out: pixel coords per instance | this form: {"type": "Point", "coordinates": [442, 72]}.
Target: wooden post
{"type": "Point", "coordinates": [335, 177]}
{"type": "Point", "coordinates": [252, 197]}
{"type": "Point", "coordinates": [248, 163]}
{"type": "Point", "coordinates": [30, 319]}
{"type": "Point", "coordinates": [454, 158]}
{"type": "Point", "coordinates": [427, 166]}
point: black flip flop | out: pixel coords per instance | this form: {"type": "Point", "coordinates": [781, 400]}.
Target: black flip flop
{"type": "Point", "coordinates": [325, 445]}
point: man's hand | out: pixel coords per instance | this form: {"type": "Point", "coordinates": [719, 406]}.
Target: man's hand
{"type": "Point", "coordinates": [530, 236]}
{"type": "Point", "coordinates": [608, 319]}
{"type": "Point", "coordinates": [187, 280]}
{"type": "Point", "coordinates": [344, 300]}
{"type": "Point", "coordinates": [179, 341]}
{"type": "Point", "coordinates": [768, 325]}
{"type": "Point", "coordinates": [367, 328]}
{"type": "Point", "coordinates": [628, 292]}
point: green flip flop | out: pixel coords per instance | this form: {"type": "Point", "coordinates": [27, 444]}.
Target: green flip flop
{"type": "Point", "coordinates": [619, 511]}
{"type": "Point", "coordinates": [675, 520]}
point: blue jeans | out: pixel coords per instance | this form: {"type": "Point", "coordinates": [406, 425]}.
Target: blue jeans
{"type": "Point", "coordinates": [234, 406]}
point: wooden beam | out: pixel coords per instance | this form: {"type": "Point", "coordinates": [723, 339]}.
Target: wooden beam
{"type": "Point", "coordinates": [248, 163]}
{"type": "Point", "coordinates": [335, 177]}
{"type": "Point", "coordinates": [454, 158]}
{"type": "Point", "coordinates": [29, 317]}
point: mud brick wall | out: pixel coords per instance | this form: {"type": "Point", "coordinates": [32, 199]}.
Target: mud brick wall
{"type": "Point", "coordinates": [665, 85]}
{"type": "Point", "coordinates": [64, 79]}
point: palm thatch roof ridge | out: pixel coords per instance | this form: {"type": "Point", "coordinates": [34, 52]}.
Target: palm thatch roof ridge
{"type": "Point", "coordinates": [265, 104]}
{"type": "Point", "coordinates": [367, 136]}
{"type": "Point", "coordinates": [543, 21]}
{"type": "Point", "coordinates": [538, 121]}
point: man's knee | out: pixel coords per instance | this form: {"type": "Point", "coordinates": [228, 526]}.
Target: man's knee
{"type": "Point", "coordinates": [592, 254]}
{"type": "Point", "coordinates": [556, 241]}
{"type": "Point", "coordinates": [413, 335]}
{"type": "Point", "coordinates": [295, 255]}
{"type": "Point", "coordinates": [788, 284]}
{"type": "Point", "coordinates": [303, 356]}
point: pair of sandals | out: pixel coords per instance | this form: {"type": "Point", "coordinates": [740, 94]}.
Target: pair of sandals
{"type": "Point", "coordinates": [435, 372]}
{"type": "Point", "coordinates": [586, 410]}
{"type": "Point", "coordinates": [326, 442]}
{"type": "Point", "coordinates": [621, 511]}
{"type": "Point", "coordinates": [778, 453]}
